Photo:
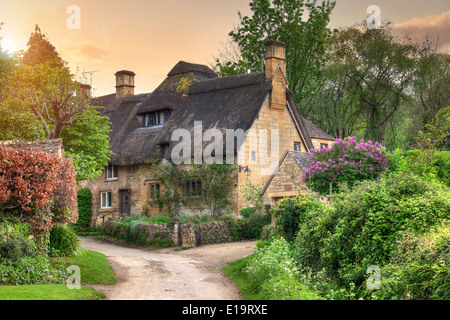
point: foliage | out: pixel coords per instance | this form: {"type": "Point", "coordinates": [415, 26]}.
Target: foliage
{"type": "Point", "coordinates": [252, 192]}
{"type": "Point", "coordinates": [40, 50]}
{"type": "Point", "coordinates": [347, 160]}
{"type": "Point", "coordinates": [216, 182]}
{"type": "Point", "coordinates": [364, 225]}
{"type": "Point", "coordinates": [84, 198]}
{"type": "Point", "coordinates": [273, 275]}
{"type": "Point", "coordinates": [420, 267]}
{"type": "Point", "coordinates": [16, 241]}
{"type": "Point", "coordinates": [290, 214]}
{"type": "Point", "coordinates": [86, 143]}
{"type": "Point", "coordinates": [442, 165]}
{"type": "Point", "coordinates": [38, 185]}
{"type": "Point", "coordinates": [215, 185]}
{"type": "Point", "coordinates": [283, 20]}
{"type": "Point", "coordinates": [63, 242]}
{"type": "Point", "coordinates": [30, 270]}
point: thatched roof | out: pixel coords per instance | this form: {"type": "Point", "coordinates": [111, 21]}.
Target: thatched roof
{"type": "Point", "coordinates": [194, 93]}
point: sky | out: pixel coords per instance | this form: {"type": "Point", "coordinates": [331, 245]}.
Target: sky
{"type": "Point", "coordinates": [149, 37]}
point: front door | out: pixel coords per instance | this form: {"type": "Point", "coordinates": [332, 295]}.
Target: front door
{"type": "Point", "coordinates": [125, 202]}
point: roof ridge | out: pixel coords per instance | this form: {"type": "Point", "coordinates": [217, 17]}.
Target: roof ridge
{"type": "Point", "coordinates": [228, 82]}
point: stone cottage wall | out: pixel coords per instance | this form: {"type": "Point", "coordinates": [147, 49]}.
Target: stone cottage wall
{"type": "Point", "coordinates": [181, 234]}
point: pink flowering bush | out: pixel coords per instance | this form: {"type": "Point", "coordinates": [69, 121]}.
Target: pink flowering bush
{"type": "Point", "coordinates": [347, 160]}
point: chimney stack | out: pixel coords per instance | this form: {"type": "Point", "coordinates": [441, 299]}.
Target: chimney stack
{"type": "Point", "coordinates": [84, 91]}
{"type": "Point", "coordinates": [276, 70]}
{"type": "Point", "coordinates": [124, 83]}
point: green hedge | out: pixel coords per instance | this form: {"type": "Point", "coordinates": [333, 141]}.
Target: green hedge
{"type": "Point", "coordinates": [84, 197]}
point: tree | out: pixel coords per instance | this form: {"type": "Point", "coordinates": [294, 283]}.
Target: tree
{"type": "Point", "coordinates": [40, 50]}
{"type": "Point", "coordinates": [86, 143]}
{"type": "Point", "coordinates": [380, 68]}
{"type": "Point", "coordinates": [216, 182]}
{"type": "Point", "coordinates": [282, 20]}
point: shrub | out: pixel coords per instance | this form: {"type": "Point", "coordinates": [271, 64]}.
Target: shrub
{"type": "Point", "coordinates": [30, 270]}
{"type": "Point", "coordinates": [63, 242]}
{"type": "Point", "coordinates": [290, 213]}
{"type": "Point", "coordinates": [16, 241]}
{"type": "Point", "coordinates": [365, 224]}
{"type": "Point", "coordinates": [420, 267]}
{"type": "Point", "coordinates": [442, 165]}
{"type": "Point", "coordinates": [84, 198]}
{"type": "Point", "coordinates": [270, 261]}
{"type": "Point", "coordinates": [35, 186]}
{"type": "Point", "coordinates": [347, 160]}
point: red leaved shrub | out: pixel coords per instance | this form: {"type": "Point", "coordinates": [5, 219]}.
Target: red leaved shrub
{"type": "Point", "coordinates": [37, 187]}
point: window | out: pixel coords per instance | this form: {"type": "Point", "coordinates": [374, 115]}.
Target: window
{"type": "Point", "coordinates": [112, 172]}
{"type": "Point", "coordinates": [193, 188]}
{"type": "Point", "coordinates": [156, 118]}
{"type": "Point", "coordinates": [253, 155]}
{"type": "Point", "coordinates": [296, 146]}
{"type": "Point", "coordinates": [105, 199]}
{"type": "Point", "coordinates": [153, 190]}
{"type": "Point", "coordinates": [164, 150]}
{"type": "Point", "coordinates": [323, 145]}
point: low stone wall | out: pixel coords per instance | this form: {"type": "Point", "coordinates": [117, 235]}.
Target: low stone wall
{"type": "Point", "coordinates": [181, 234]}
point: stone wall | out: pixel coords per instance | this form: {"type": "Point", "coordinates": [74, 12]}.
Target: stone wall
{"type": "Point", "coordinates": [181, 234]}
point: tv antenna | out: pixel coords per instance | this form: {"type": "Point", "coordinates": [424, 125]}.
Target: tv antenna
{"type": "Point", "coordinates": [90, 73]}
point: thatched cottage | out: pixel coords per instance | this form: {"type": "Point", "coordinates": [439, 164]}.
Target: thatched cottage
{"type": "Point", "coordinates": [143, 128]}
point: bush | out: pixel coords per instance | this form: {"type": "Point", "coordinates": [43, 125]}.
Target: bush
{"type": "Point", "coordinates": [420, 267]}
{"type": "Point", "coordinates": [291, 212]}
{"type": "Point", "coordinates": [84, 198]}
{"type": "Point", "coordinates": [442, 165]}
{"type": "Point", "coordinates": [63, 242]}
{"type": "Point", "coordinates": [30, 270]}
{"type": "Point", "coordinates": [16, 241]}
{"type": "Point", "coordinates": [36, 187]}
{"type": "Point", "coordinates": [364, 225]}
{"type": "Point", "coordinates": [347, 160]}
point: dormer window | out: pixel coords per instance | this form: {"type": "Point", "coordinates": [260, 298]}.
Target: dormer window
{"type": "Point", "coordinates": [156, 118]}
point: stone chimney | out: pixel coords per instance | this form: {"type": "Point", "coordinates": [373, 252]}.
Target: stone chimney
{"type": "Point", "coordinates": [276, 71]}
{"type": "Point", "coordinates": [84, 90]}
{"type": "Point", "coordinates": [124, 83]}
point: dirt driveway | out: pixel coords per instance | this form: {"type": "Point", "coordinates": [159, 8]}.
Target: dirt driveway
{"type": "Point", "coordinates": [193, 274]}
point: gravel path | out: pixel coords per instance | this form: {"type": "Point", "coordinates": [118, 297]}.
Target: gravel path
{"type": "Point", "coordinates": [193, 274]}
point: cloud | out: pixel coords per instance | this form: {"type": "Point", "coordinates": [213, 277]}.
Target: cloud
{"type": "Point", "coordinates": [88, 51]}
{"type": "Point", "coordinates": [433, 25]}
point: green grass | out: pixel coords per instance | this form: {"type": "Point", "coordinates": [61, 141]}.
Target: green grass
{"type": "Point", "coordinates": [94, 269]}
{"type": "Point", "coordinates": [235, 272]}
{"type": "Point", "coordinates": [48, 292]}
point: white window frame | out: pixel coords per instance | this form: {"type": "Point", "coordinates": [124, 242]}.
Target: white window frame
{"type": "Point", "coordinates": [110, 170]}
{"type": "Point", "coordinates": [104, 198]}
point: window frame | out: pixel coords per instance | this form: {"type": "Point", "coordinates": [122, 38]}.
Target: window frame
{"type": "Point", "coordinates": [297, 143]}
{"type": "Point", "coordinates": [193, 188]}
{"type": "Point", "coordinates": [156, 190]}
{"type": "Point", "coordinates": [323, 145]}
{"type": "Point", "coordinates": [114, 170]}
{"type": "Point", "coordinates": [156, 118]}
{"type": "Point", "coordinates": [104, 205]}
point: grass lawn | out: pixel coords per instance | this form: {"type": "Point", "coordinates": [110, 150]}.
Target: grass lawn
{"type": "Point", "coordinates": [94, 269]}
{"type": "Point", "coordinates": [235, 272]}
{"type": "Point", "coordinates": [48, 292]}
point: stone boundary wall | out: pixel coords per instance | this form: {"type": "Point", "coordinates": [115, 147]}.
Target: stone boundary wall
{"type": "Point", "coordinates": [181, 234]}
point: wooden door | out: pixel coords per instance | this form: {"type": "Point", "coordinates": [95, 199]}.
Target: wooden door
{"type": "Point", "coordinates": [125, 202]}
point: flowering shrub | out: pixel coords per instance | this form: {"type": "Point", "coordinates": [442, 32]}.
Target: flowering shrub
{"type": "Point", "coordinates": [347, 160]}
{"type": "Point", "coordinates": [35, 186]}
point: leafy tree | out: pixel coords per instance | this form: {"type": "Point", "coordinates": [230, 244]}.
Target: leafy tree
{"type": "Point", "coordinates": [216, 182]}
{"type": "Point", "coordinates": [40, 50]}
{"type": "Point", "coordinates": [283, 20]}
{"type": "Point", "coordinates": [380, 68]}
{"type": "Point", "coordinates": [86, 143]}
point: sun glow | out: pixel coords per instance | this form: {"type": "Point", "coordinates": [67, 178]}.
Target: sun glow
{"type": "Point", "coordinates": [8, 45]}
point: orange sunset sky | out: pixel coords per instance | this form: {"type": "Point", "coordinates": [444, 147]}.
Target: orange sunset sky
{"type": "Point", "coordinates": [149, 37]}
